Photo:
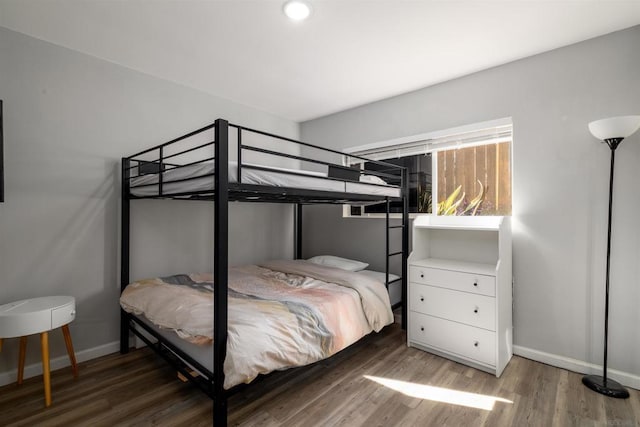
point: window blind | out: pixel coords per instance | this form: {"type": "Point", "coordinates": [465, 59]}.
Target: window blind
{"type": "Point", "coordinates": [490, 135]}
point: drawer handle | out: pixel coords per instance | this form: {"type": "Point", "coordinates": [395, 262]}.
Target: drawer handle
{"type": "Point", "coordinates": [422, 299]}
{"type": "Point", "coordinates": [475, 310]}
{"type": "Point", "coordinates": [422, 275]}
{"type": "Point", "coordinates": [475, 284]}
{"type": "Point", "coordinates": [422, 328]}
{"type": "Point", "coordinates": [73, 313]}
{"type": "Point", "coordinates": [475, 344]}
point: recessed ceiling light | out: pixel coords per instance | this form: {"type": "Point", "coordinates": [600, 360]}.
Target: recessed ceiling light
{"type": "Point", "coordinates": [297, 10]}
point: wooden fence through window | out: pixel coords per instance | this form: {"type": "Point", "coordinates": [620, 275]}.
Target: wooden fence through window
{"type": "Point", "coordinates": [490, 164]}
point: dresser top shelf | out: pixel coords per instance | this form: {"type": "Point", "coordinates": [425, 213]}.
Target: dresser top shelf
{"type": "Point", "coordinates": [480, 223]}
{"type": "Point", "coordinates": [454, 265]}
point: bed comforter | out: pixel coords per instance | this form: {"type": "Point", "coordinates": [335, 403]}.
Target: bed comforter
{"type": "Point", "coordinates": [282, 314]}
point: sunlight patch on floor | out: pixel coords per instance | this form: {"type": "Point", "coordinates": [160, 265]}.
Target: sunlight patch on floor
{"type": "Point", "coordinates": [439, 394]}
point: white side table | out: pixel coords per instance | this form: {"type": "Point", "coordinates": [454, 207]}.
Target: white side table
{"type": "Point", "coordinates": [39, 316]}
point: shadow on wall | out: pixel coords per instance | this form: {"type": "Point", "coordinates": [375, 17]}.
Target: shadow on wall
{"type": "Point", "coordinates": [78, 259]}
{"type": "Point", "coordinates": [1, 156]}
{"type": "Point", "coordinates": [326, 232]}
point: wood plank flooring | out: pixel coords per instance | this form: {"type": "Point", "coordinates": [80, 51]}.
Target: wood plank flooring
{"type": "Point", "coordinates": [139, 389]}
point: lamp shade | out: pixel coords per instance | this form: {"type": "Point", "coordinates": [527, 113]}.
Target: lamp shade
{"type": "Point", "coordinates": [614, 127]}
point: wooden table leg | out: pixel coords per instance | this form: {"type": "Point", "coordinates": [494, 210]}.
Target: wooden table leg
{"type": "Point", "coordinates": [72, 355]}
{"type": "Point", "coordinates": [46, 374]}
{"type": "Point", "coordinates": [21, 357]}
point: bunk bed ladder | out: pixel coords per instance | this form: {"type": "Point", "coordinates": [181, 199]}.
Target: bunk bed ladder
{"type": "Point", "coordinates": [388, 252]}
{"type": "Point", "coordinates": [405, 244]}
{"type": "Point", "coordinates": [404, 227]}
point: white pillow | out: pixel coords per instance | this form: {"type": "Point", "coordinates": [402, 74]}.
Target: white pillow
{"type": "Point", "coordinates": [372, 179]}
{"type": "Point", "coordinates": [337, 262]}
{"type": "Point", "coordinates": [378, 275]}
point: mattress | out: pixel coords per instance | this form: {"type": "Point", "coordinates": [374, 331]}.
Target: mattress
{"type": "Point", "coordinates": [203, 354]}
{"type": "Point", "coordinates": [199, 177]}
{"type": "Point", "coordinates": [281, 314]}
{"type": "Point", "coordinates": [395, 287]}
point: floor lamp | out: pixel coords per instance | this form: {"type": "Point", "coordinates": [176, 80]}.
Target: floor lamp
{"type": "Point", "coordinates": [611, 131]}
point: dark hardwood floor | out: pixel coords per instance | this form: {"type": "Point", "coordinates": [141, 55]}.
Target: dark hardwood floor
{"type": "Point", "coordinates": [358, 387]}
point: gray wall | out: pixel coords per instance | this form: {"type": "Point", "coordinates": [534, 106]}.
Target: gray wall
{"type": "Point", "coordinates": [68, 119]}
{"type": "Point", "coordinates": [560, 188]}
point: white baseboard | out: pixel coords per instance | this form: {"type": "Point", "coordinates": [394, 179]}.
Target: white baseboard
{"type": "Point", "coordinates": [575, 365]}
{"type": "Point", "coordinates": [60, 362]}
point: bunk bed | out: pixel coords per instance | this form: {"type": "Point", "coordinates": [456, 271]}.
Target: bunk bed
{"type": "Point", "coordinates": [225, 162]}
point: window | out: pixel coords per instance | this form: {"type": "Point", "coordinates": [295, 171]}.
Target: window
{"type": "Point", "coordinates": [466, 170]}
{"type": "Point", "coordinates": [420, 167]}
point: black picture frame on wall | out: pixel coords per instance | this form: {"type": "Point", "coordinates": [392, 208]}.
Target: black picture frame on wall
{"type": "Point", "coordinates": [1, 156]}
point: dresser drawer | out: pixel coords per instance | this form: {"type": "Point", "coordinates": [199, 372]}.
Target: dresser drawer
{"type": "Point", "coordinates": [471, 309]}
{"type": "Point", "coordinates": [466, 282]}
{"type": "Point", "coordinates": [452, 337]}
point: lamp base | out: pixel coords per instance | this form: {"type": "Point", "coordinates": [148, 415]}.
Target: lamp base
{"type": "Point", "coordinates": [609, 388]}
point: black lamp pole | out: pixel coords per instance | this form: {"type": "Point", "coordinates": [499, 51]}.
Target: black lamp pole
{"type": "Point", "coordinates": [602, 384]}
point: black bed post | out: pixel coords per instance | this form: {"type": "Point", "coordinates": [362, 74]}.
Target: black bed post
{"type": "Point", "coordinates": [386, 258]}
{"type": "Point", "coordinates": [405, 242]}
{"type": "Point", "coordinates": [298, 231]}
{"type": "Point", "coordinates": [124, 252]}
{"type": "Point", "coordinates": [220, 269]}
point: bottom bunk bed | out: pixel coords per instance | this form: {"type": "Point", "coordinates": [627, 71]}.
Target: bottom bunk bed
{"type": "Point", "coordinates": [282, 314]}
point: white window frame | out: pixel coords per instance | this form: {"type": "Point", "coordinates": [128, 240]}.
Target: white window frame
{"type": "Point", "coordinates": [433, 142]}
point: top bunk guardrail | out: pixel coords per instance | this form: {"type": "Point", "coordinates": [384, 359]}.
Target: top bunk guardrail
{"type": "Point", "coordinates": [262, 167]}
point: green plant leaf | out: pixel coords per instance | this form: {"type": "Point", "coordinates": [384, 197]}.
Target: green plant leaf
{"type": "Point", "coordinates": [450, 205]}
{"type": "Point", "coordinates": [475, 203]}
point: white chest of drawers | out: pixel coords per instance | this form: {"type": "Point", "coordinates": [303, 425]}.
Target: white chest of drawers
{"type": "Point", "coordinates": [459, 296]}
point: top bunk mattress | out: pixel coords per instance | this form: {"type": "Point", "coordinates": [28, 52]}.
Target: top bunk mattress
{"type": "Point", "coordinates": [199, 177]}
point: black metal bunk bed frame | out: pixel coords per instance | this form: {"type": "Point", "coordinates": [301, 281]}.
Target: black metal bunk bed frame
{"type": "Point", "coordinates": [212, 383]}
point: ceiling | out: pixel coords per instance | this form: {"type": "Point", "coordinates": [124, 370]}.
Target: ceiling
{"type": "Point", "coordinates": [347, 54]}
